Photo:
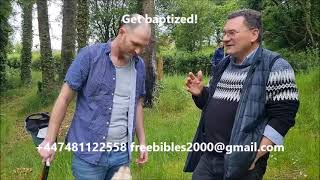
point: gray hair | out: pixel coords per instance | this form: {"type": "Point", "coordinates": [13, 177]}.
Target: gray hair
{"type": "Point", "coordinates": [252, 19]}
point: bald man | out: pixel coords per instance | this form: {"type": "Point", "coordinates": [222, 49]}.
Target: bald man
{"type": "Point", "coordinates": [108, 79]}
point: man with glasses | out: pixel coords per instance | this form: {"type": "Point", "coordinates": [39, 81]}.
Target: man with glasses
{"type": "Point", "coordinates": [252, 99]}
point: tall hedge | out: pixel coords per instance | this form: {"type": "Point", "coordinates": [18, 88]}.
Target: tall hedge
{"type": "Point", "coordinates": [183, 62]}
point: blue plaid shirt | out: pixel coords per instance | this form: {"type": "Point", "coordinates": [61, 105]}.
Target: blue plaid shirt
{"type": "Point", "coordinates": [93, 75]}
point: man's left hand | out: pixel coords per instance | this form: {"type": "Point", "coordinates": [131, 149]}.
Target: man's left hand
{"type": "Point", "coordinates": [253, 165]}
{"type": "Point", "coordinates": [262, 151]}
{"type": "Point", "coordinates": [143, 158]}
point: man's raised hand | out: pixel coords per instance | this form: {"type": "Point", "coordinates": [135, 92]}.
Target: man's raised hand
{"type": "Point", "coordinates": [194, 84]}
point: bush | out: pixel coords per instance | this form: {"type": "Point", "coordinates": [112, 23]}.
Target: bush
{"type": "Point", "coordinates": [13, 77]}
{"type": "Point", "coordinates": [13, 60]}
{"type": "Point", "coordinates": [182, 62]}
{"type": "Point", "coordinates": [302, 60]}
{"type": "Point", "coordinates": [36, 61]}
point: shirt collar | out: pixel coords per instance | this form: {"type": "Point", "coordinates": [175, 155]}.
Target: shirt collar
{"type": "Point", "coordinates": [247, 61]}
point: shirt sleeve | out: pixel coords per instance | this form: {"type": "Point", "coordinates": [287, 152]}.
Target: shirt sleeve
{"type": "Point", "coordinates": [78, 71]}
{"type": "Point", "coordinates": [282, 101]}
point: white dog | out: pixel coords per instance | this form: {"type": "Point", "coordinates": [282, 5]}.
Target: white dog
{"type": "Point", "coordinates": [122, 174]}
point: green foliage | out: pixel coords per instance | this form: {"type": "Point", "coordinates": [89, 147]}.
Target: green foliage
{"type": "Point", "coordinates": [36, 61]}
{"type": "Point", "coordinates": [302, 60]}
{"type": "Point", "coordinates": [172, 96]}
{"type": "Point", "coordinates": [182, 62]}
{"type": "Point", "coordinates": [105, 17]}
{"type": "Point", "coordinates": [14, 60]}
{"type": "Point", "coordinates": [211, 16]}
{"type": "Point", "coordinates": [252, 4]}
{"type": "Point", "coordinates": [189, 37]}
{"type": "Point", "coordinates": [174, 118]}
{"type": "Point", "coordinates": [309, 82]}
{"type": "Point", "coordinates": [291, 24]}
{"type": "Point", "coordinates": [5, 30]}
{"type": "Point", "coordinates": [36, 101]}
{"type": "Point", "coordinates": [220, 14]}
{"type": "Point", "coordinates": [12, 75]}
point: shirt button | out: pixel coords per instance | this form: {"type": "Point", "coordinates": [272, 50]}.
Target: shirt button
{"type": "Point", "coordinates": [114, 78]}
{"type": "Point", "coordinates": [103, 137]}
{"type": "Point", "coordinates": [112, 94]}
{"type": "Point", "coordinates": [110, 108]}
{"type": "Point", "coordinates": [107, 123]}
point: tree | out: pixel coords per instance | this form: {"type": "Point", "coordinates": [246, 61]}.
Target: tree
{"type": "Point", "coordinates": [47, 64]}
{"type": "Point", "coordinates": [149, 55]}
{"type": "Point", "coordinates": [211, 16]}
{"type": "Point", "coordinates": [105, 17]}
{"type": "Point", "coordinates": [252, 4]}
{"type": "Point", "coordinates": [297, 25]}
{"type": "Point", "coordinates": [219, 16]}
{"type": "Point", "coordinates": [82, 23]}
{"type": "Point", "coordinates": [26, 53]}
{"type": "Point", "coordinates": [68, 35]}
{"type": "Point", "coordinates": [188, 36]}
{"type": "Point", "coordinates": [4, 37]}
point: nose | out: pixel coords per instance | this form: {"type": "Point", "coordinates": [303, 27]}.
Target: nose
{"type": "Point", "coordinates": [225, 38]}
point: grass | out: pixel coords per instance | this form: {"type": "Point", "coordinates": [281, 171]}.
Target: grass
{"type": "Point", "coordinates": [173, 119]}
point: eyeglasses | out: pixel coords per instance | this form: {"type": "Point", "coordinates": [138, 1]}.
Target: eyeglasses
{"type": "Point", "coordinates": [232, 33]}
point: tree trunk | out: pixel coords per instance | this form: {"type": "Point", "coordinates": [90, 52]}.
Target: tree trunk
{"type": "Point", "coordinates": [47, 64]}
{"type": "Point", "coordinates": [26, 53]}
{"type": "Point", "coordinates": [4, 39]}
{"type": "Point", "coordinates": [82, 23]}
{"type": "Point", "coordinates": [68, 36]}
{"type": "Point", "coordinates": [149, 55]}
{"type": "Point", "coordinates": [307, 12]}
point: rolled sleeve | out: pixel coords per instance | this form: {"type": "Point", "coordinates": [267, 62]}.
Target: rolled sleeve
{"type": "Point", "coordinates": [273, 135]}
{"type": "Point", "coordinates": [78, 70]}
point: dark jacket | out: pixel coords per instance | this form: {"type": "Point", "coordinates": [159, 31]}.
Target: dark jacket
{"type": "Point", "coordinates": [250, 119]}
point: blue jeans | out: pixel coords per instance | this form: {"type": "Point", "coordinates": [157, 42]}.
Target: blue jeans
{"type": "Point", "coordinates": [108, 165]}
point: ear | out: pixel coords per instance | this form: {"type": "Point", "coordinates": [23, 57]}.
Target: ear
{"type": "Point", "coordinates": [122, 30]}
{"type": "Point", "coordinates": [255, 35]}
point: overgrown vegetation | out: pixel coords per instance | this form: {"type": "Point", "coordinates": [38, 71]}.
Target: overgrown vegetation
{"type": "Point", "coordinates": [173, 119]}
